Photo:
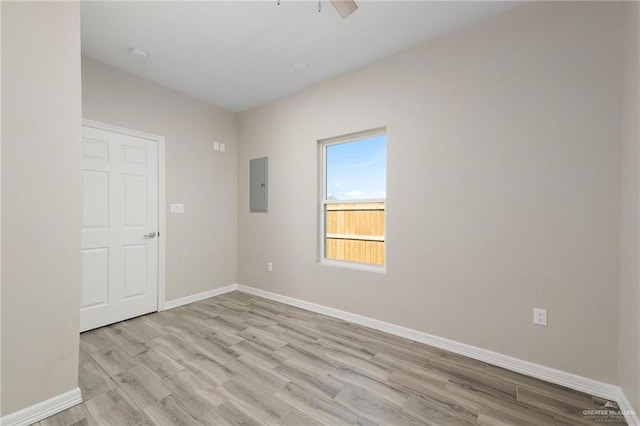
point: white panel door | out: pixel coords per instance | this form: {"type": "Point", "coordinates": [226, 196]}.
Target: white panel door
{"type": "Point", "coordinates": [119, 227]}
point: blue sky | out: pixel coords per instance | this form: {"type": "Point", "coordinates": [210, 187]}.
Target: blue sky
{"type": "Point", "coordinates": [357, 170]}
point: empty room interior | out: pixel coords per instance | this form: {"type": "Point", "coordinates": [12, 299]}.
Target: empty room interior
{"type": "Point", "coordinates": [339, 212]}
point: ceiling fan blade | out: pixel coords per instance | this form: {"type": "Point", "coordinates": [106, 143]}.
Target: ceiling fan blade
{"type": "Point", "coordinates": [344, 7]}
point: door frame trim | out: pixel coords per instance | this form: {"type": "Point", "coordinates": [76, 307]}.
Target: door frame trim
{"type": "Point", "coordinates": [162, 217]}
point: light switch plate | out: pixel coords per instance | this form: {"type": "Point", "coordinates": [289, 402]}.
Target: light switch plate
{"type": "Point", "coordinates": [216, 146]}
{"type": "Point", "coordinates": [222, 147]}
{"type": "Point", "coordinates": [176, 208]}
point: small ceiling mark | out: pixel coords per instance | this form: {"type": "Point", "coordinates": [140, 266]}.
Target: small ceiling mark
{"type": "Point", "coordinates": [139, 54]}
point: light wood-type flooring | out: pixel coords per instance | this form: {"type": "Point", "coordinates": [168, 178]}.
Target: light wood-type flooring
{"type": "Point", "coordinates": [238, 359]}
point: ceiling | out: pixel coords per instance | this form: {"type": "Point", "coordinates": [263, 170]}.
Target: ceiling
{"type": "Point", "coordinates": [240, 54]}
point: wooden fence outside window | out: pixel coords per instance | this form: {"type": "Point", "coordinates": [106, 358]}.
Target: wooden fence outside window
{"type": "Point", "coordinates": [355, 232]}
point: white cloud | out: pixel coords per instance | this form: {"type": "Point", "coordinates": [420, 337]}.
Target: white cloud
{"type": "Point", "coordinates": [353, 193]}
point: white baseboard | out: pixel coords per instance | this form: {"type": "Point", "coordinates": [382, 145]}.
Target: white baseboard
{"type": "Point", "coordinates": [43, 409]}
{"type": "Point", "coordinates": [625, 406]}
{"type": "Point", "coordinates": [197, 297]}
{"type": "Point", "coordinates": [548, 374]}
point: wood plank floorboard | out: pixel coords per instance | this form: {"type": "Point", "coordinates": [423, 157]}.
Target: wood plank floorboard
{"type": "Point", "coordinates": [238, 359]}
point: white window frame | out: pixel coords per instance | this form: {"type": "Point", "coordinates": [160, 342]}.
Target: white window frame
{"type": "Point", "coordinates": [324, 202]}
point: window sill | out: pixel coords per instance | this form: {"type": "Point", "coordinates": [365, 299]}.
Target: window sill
{"type": "Point", "coordinates": [355, 266]}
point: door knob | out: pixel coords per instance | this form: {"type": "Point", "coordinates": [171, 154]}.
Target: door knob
{"type": "Point", "coordinates": [150, 235]}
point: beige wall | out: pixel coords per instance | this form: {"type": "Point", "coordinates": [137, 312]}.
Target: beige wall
{"type": "Point", "coordinates": [629, 331]}
{"type": "Point", "coordinates": [41, 109]}
{"type": "Point", "coordinates": [0, 212]}
{"type": "Point", "coordinates": [201, 243]}
{"type": "Point", "coordinates": [503, 185]}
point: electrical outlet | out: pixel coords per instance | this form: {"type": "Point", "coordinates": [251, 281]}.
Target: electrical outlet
{"type": "Point", "coordinates": [540, 316]}
{"type": "Point", "coordinates": [269, 267]}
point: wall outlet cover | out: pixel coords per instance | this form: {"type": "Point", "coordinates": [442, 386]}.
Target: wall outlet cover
{"type": "Point", "coordinates": [540, 316]}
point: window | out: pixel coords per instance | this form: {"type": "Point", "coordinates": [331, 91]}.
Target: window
{"type": "Point", "coordinates": [353, 200]}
